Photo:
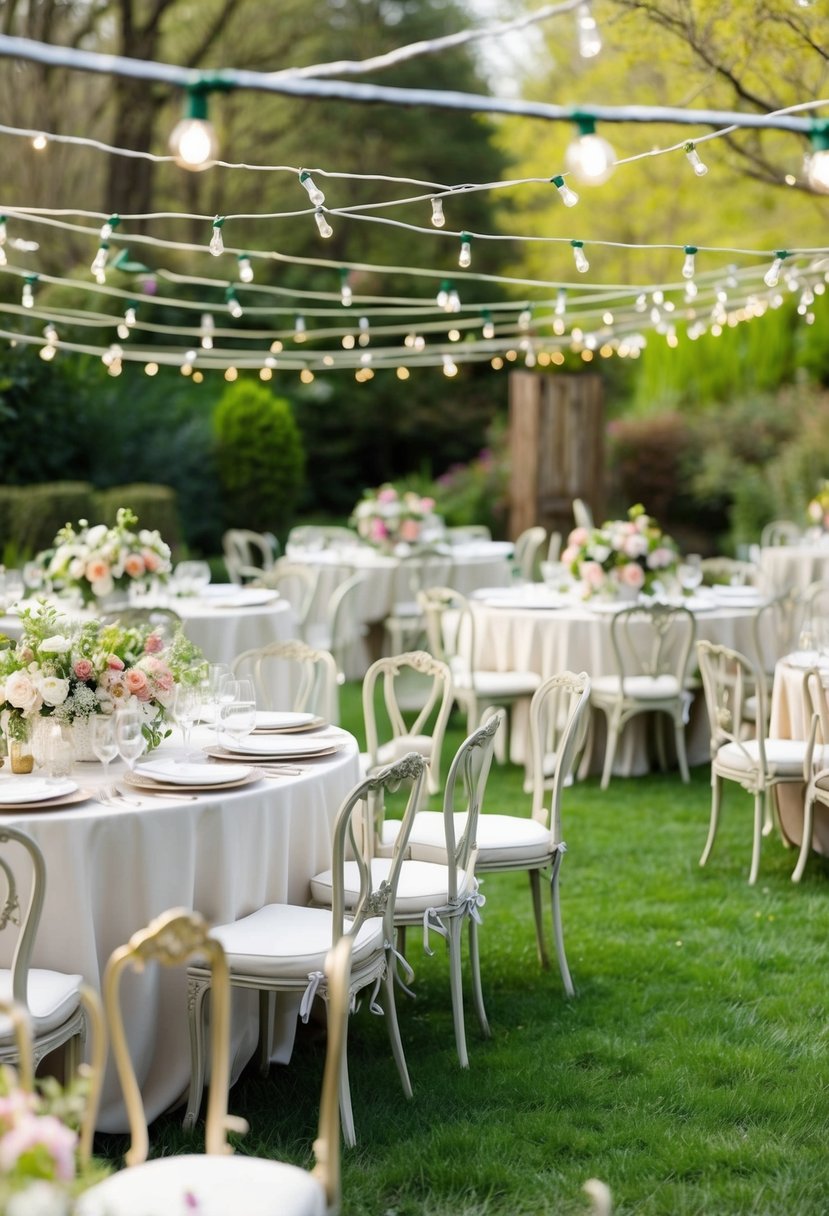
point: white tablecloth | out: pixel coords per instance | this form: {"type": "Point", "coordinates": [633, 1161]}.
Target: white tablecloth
{"type": "Point", "coordinates": [110, 870]}
{"type": "Point", "coordinates": [788, 721]}
{"type": "Point", "coordinates": [793, 567]}
{"type": "Point", "coordinates": [576, 637]}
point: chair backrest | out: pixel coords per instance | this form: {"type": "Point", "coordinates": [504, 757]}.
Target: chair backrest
{"type": "Point", "coordinates": [419, 570]}
{"type": "Point", "coordinates": [727, 570]}
{"type": "Point", "coordinates": [345, 624]}
{"type": "Point", "coordinates": [296, 582]}
{"type": "Point", "coordinates": [327, 1143]}
{"type": "Point", "coordinates": [247, 554]}
{"type": "Point", "coordinates": [354, 840]}
{"type": "Point", "coordinates": [450, 630]}
{"type": "Point", "coordinates": [775, 628]}
{"type": "Point", "coordinates": [815, 715]}
{"type": "Point", "coordinates": [582, 514]}
{"type": "Point", "coordinates": [729, 678]}
{"type": "Point", "coordinates": [312, 676]}
{"type": "Point", "coordinates": [463, 533]}
{"type": "Point", "coordinates": [559, 716]}
{"type": "Point", "coordinates": [652, 640]}
{"type": "Point", "coordinates": [30, 864]}
{"type": "Point", "coordinates": [527, 547]}
{"type": "Point", "coordinates": [815, 600]}
{"type": "Point", "coordinates": [554, 547]}
{"type": "Point", "coordinates": [467, 776]}
{"type": "Point", "coordinates": [436, 689]}
{"type": "Point", "coordinates": [171, 939]}
{"type": "Point", "coordinates": [164, 621]}
{"type": "Point", "coordinates": [780, 532]}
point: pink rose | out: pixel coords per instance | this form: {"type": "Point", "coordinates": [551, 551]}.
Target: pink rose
{"type": "Point", "coordinates": [409, 529]}
{"type": "Point", "coordinates": [659, 558]}
{"type": "Point", "coordinates": [378, 530]}
{"type": "Point", "coordinates": [83, 669]}
{"type": "Point", "coordinates": [153, 644]}
{"type": "Point", "coordinates": [135, 565]}
{"type": "Point", "coordinates": [34, 1132]}
{"type": "Point", "coordinates": [577, 537]}
{"type": "Point", "coordinates": [427, 503]}
{"type": "Point", "coordinates": [632, 575]}
{"type": "Point", "coordinates": [138, 684]}
{"type": "Point", "coordinates": [592, 574]}
{"type": "Point", "coordinates": [97, 570]}
{"type": "Point", "coordinates": [151, 561]}
{"type": "Point", "coordinates": [387, 494]}
{"type": "Point", "coordinates": [114, 663]}
{"type": "Point", "coordinates": [635, 545]}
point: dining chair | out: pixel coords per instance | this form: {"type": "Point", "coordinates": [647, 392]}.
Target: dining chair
{"type": "Point", "coordinates": [340, 627]}
{"type": "Point", "coordinates": [528, 546]}
{"type": "Point", "coordinates": [775, 627]}
{"type": "Point", "coordinates": [217, 1180]}
{"type": "Point", "coordinates": [816, 760]}
{"type": "Point", "coordinates": [727, 570]}
{"type": "Point", "coordinates": [441, 895]}
{"type": "Point", "coordinates": [559, 714]}
{"type": "Point", "coordinates": [554, 547]}
{"type": "Point", "coordinates": [415, 572]}
{"type": "Point", "coordinates": [386, 685]}
{"type": "Point", "coordinates": [297, 583]}
{"type": "Point", "coordinates": [166, 622]}
{"type": "Point", "coordinates": [816, 609]}
{"type": "Point", "coordinates": [780, 532]}
{"type": "Point", "coordinates": [248, 554]}
{"type": "Point", "coordinates": [311, 674]}
{"type": "Point", "coordinates": [52, 999]}
{"type": "Point", "coordinates": [462, 534]}
{"type": "Point", "coordinates": [582, 514]}
{"type": "Point", "coordinates": [282, 947]}
{"type": "Point", "coordinates": [756, 763]}
{"type": "Point", "coordinates": [450, 630]}
{"type": "Point", "coordinates": [651, 646]}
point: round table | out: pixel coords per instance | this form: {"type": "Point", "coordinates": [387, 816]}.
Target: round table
{"type": "Point", "coordinates": [225, 853]}
{"type": "Point", "coordinates": [793, 567]}
{"type": "Point", "coordinates": [788, 721]}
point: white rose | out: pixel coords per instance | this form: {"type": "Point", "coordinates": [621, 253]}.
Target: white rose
{"type": "Point", "coordinates": [103, 586]}
{"type": "Point", "coordinates": [96, 535]}
{"type": "Point", "coordinates": [77, 566]}
{"type": "Point", "coordinates": [21, 692]}
{"type": "Point", "coordinates": [58, 644]}
{"type": "Point", "coordinates": [53, 690]}
{"type": "Point", "coordinates": [599, 553]}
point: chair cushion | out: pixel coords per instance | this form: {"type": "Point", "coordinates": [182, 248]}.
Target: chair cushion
{"type": "Point", "coordinates": [284, 940]}
{"type": "Point", "coordinates": [500, 684]}
{"type": "Point", "coordinates": [169, 1186]}
{"type": "Point", "coordinates": [52, 997]}
{"type": "Point", "coordinates": [640, 688]}
{"type": "Point", "coordinates": [784, 757]}
{"type": "Point", "coordinates": [509, 838]}
{"type": "Point", "coordinates": [422, 884]}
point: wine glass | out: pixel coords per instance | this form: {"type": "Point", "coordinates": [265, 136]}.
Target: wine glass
{"type": "Point", "coordinates": [187, 704]}
{"type": "Point", "coordinates": [238, 716]}
{"type": "Point", "coordinates": [104, 743]}
{"type": "Point", "coordinates": [689, 573]}
{"type": "Point", "coordinates": [129, 735]}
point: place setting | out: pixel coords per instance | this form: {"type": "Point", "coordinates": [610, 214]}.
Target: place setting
{"type": "Point", "coordinates": [34, 794]}
{"type": "Point", "coordinates": [266, 738]}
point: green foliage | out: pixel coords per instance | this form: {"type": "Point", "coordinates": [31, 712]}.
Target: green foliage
{"type": "Point", "coordinates": [40, 510]}
{"type": "Point", "coordinates": [261, 461]}
{"type": "Point", "coordinates": [155, 507]}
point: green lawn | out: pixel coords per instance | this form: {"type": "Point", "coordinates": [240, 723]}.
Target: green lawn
{"type": "Point", "coordinates": [690, 1072]}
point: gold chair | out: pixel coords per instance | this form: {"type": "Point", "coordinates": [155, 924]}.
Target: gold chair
{"type": "Point", "coordinates": [224, 1182]}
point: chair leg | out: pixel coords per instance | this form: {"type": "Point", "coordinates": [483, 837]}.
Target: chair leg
{"type": "Point", "coordinates": [558, 932]}
{"type": "Point", "coordinates": [661, 750]}
{"type": "Point", "coordinates": [197, 991]}
{"type": "Point", "coordinates": [716, 799]}
{"type": "Point", "coordinates": [453, 941]}
{"type": "Point", "coordinates": [475, 967]}
{"type": "Point", "coordinates": [72, 1056]}
{"type": "Point", "coordinates": [263, 1047]}
{"type": "Point", "coordinates": [346, 1112]}
{"type": "Point", "coordinates": [610, 751]}
{"type": "Point", "coordinates": [681, 753]}
{"type": "Point", "coordinates": [759, 810]}
{"type": "Point", "coordinates": [535, 891]}
{"type": "Point", "coordinates": [587, 754]}
{"type": "Point", "coordinates": [394, 1030]}
{"type": "Point", "coordinates": [806, 843]}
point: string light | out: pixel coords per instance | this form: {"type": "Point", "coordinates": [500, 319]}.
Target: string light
{"type": "Point", "coordinates": [245, 268]}
{"type": "Point", "coordinates": [233, 306]}
{"type": "Point", "coordinates": [568, 196]}
{"type": "Point", "coordinates": [438, 218]}
{"type": "Point", "coordinates": [694, 160]}
{"type": "Point", "coordinates": [364, 336]}
{"type": "Point", "coordinates": [207, 327]}
{"type": "Point", "coordinates": [488, 329]}
{"type": "Point", "coordinates": [300, 329]}
{"type": "Point", "coordinates": [346, 294]}
{"type": "Point", "coordinates": [217, 245]}
{"type": "Point", "coordinates": [816, 164]}
{"type": "Point", "coordinates": [109, 227]}
{"type": "Point", "coordinates": [28, 296]}
{"type": "Point", "coordinates": [450, 367]}
{"type": "Point", "coordinates": [130, 317]}
{"type": "Point", "coordinates": [325, 229]}
{"type": "Point", "coordinates": [561, 302]}
{"type": "Point", "coordinates": [525, 318]}
{"type": "Point", "coordinates": [689, 266]}
{"type": "Point", "coordinates": [314, 193]}
{"type": "Point", "coordinates": [589, 158]}
{"type": "Point", "coordinates": [453, 304]}
{"type": "Point", "coordinates": [193, 142]}
{"type": "Point", "coordinates": [49, 351]}
{"type": "Point", "coordinates": [772, 275]}
{"type": "Point", "coordinates": [582, 264]}
{"type": "Point", "coordinates": [39, 142]}
{"type": "Point", "coordinates": [465, 257]}
{"type": "Point", "coordinates": [442, 298]}
{"type": "Point", "coordinates": [590, 42]}
{"type": "Point", "coordinates": [99, 263]}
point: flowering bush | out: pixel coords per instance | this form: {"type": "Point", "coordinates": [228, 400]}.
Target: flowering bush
{"type": "Point", "coordinates": [818, 508]}
{"type": "Point", "coordinates": [98, 560]}
{"type": "Point", "coordinates": [386, 518]}
{"type": "Point", "coordinates": [632, 553]}
{"type": "Point", "coordinates": [67, 670]}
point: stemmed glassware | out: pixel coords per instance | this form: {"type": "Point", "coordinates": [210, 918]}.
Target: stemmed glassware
{"type": "Point", "coordinates": [104, 742]}
{"type": "Point", "coordinates": [238, 716]}
{"type": "Point", "coordinates": [129, 735]}
{"type": "Point", "coordinates": [187, 705]}
{"type": "Point", "coordinates": [689, 573]}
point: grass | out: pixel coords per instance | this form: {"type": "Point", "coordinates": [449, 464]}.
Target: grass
{"type": "Point", "coordinates": [690, 1072]}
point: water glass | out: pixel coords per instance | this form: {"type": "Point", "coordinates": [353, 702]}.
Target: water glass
{"type": "Point", "coordinates": [129, 735]}
{"type": "Point", "coordinates": [104, 743]}
{"type": "Point", "coordinates": [238, 716]}
{"type": "Point", "coordinates": [187, 704]}
{"type": "Point", "coordinates": [689, 572]}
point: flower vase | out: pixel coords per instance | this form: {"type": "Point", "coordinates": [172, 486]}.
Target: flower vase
{"type": "Point", "coordinates": [80, 736]}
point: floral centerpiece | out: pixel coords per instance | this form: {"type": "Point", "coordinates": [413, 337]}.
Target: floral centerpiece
{"type": "Point", "coordinates": [97, 560]}
{"type": "Point", "coordinates": [386, 518]}
{"type": "Point", "coordinates": [69, 671]}
{"type": "Point", "coordinates": [623, 556]}
{"type": "Point", "coordinates": [818, 508]}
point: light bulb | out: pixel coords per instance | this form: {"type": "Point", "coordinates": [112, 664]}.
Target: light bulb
{"type": "Point", "coordinates": [207, 327]}
{"type": "Point", "coordinates": [346, 296]}
{"type": "Point", "coordinates": [438, 218]}
{"type": "Point", "coordinates": [590, 42]}
{"type": "Point", "coordinates": [50, 334]}
{"type": "Point", "coordinates": [233, 306]}
{"type": "Point", "coordinates": [488, 330]}
{"type": "Point", "coordinates": [690, 290]}
{"type": "Point", "coordinates": [772, 275]}
{"type": "Point", "coordinates": [217, 245]}
{"type": "Point", "coordinates": [193, 144]}
{"type": "Point", "coordinates": [816, 166]}
{"type": "Point", "coordinates": [99, 262]}
{"type": "Point", "coordinates": [590, 158]}
{"type": "Point", "coordinates": [109, 227]}
{"type": "Point", "coordinates": [582, 264]}
{"type": "Point", "coordinates": [453, 304]}
{"type": "Point", "coordinates": [693, 159]}
{"type": "Point", "coordinates": [364, 336]}
{"type": "Point", "coordinates": [561, 302]}
{"type": "Point", "coordinates": [299, 329]}
{"type": "Point", "coordinates": [245, 268]}
{"type": "Point", "coordinates": [314, 193]}
{"type": "Point", "coordinates": [130, 316]}
{"type": "Point", "coordinates": [325, 229]}
{"type": "Point", "coordinates": [39, 142]}
{"type": "Point", "coordinates": [48, 352]}
{"type": "Point", "coordinates": [28, 298]}
{"type": "Point", "coordinates": [641, 302]}
{"type": "Point", "coordinates": [568, 196]}
{"type": "Point", "coordinates": [525, 319]}
{"type": "Point", "coordinates": [465, 258]}
{"type": "Point", "coordinates": [442, 298]}
{"type": "Point", "coordinates": [123, 331]}
{"type": "Point", "coordinates": [688, 266]}
{"type": "Point", "coordinates": [450, 368]}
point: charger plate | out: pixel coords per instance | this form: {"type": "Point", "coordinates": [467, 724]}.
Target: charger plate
{"type": "Point", "coordinates": [286, 723]}
{"type": "Point", "coordinates": [47, 804]}
{"type": "Point", "coordinates": [148, 783]}
{"type": "Point", "coordinates": [280, 758]}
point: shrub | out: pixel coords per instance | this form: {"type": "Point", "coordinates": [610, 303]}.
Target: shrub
{"type": "Point", "coordinates": [39, 511]}
{"type": "Point", "coordinates": [260, 458]}
{"type": "Point", "coordinates": [8, 547]}
{"type": "Point", "coordinates": [155, 506]}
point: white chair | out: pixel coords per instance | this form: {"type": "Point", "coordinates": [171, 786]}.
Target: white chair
{"type": "Point", "coordinates": [780, 532]}
{"type": "Point", "coordinates": [815, 772]}
{"type": "Point", "coordinates": [758, 764]}
{"type": "Point", "coordinates": [248, 554]}
{"type": "Point", "coordinates": [297, 583]}
{"type": "Point", "coordinates": [527, 548]}
{"type": "Point", "coordinates": [217, 1181]}
{"type": "Point", "coordinates": [774, 630]}
{"type": "Point", "coordinates": [582, 514]}
{"type": "Point", "coordinates": [450, 629]}
{"type": "Point", "coordinates": [651, 648]}
{"type": "Point", "coordinates": [310, 673]}
{"type": "Point", "coordinates": [388, 736]}
{"type": "Point", "coordinates": [282, 947]}
{"type": "Point", "coordinates": [415, 572]}
{"type": "Point", "coordinates": [558, 722]}
{"type": "Point", "coordinates": [440, 895]}
{"type": "Point", "coordinates": [341, 628]}
{"type": "Point", "coordinates": [462, 534]}
{"type": "Point", "coordinates": [52, 999]}
{"type": "Point", "coordinates": [815, 601]}
{"type": "Point", "coordinates": [554, 547]}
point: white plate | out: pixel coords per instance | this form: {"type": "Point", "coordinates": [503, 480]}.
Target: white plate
{"type": "Point", "coordinates": [20, 790]}
{"type": "Point", "coordinates": [275, 745]}
{"type": "Point", "coordinates": [184, 772]}
{"type": "Point", "coordinates": [282, 719]}
{"type": "Point", "coordinates": [244, 598]}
